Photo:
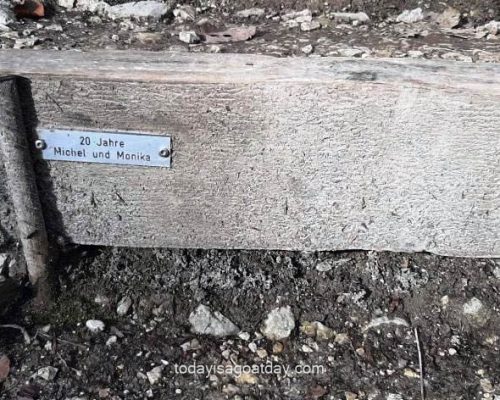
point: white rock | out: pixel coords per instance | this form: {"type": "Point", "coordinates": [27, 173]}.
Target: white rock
{"type": "Point", "coordinates": [6, 14]}
{"type": "Point", "coordinates": [327, 265]}
{"type": "Point", "coordinates": [350, 17]}
{"type": "Point", "coordinates": [111, 341]}
{"type": "Point", "coordinates": [308, 49]}
{"type": "Point", "coordinates": [473, 306]}
{"type": "Point", "coordinates": [67, 4]}
{"type": "Point", "coordinates": [244, 336]}
{"type": "Point", "coordinates": [377, 322]}
{"type": "Point", "coordinates": [279, 323]}
{"type": "Point", "coordinates": [93, 6]}
{"type": "Point", "coordinates": [309, 26]}
{"type": "Point", "coordinates": [493, 27]}
{"type": "Point", "coordinates": [3, 260]}
{"type": "Point", "coordinates": [304, 15]}
{"type": "Point", "coordinates": [154, 375]}
{"type": "Point", "coordinates": [392, 396]}
{"type": "Point", "coordinates": [496, 272]}
{"type": "Point", "coordinates": [185, 13]}
{"type": "Point", "coordinates": [149, 9]}
{"type": "Point", "coordinates": [449, 18]}
{"type": "Point", "coordinates": [189, 37]}
{"type": "Point", "coordinates": [350, 52]}
{"type": "Point", "coordinates": [47, 373]}
{"type": "Point", "coordinates": [94, 325]}
{"type": "Point", "coordinates": [124, 306]}
{"type": "Point", "coordinates": [205, 322]}
{"type": "Point", "coordinates": [251, 12]}
{"type": "Point", "coordinates": [411, 16]}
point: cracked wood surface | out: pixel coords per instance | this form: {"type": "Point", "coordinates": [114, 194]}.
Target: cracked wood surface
{"type": "Point", "coordinates": [303, 154]}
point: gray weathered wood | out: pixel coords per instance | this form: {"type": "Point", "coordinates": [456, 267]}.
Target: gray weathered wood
{"type": "Point", "coordinates": [21, 182]}
{"type": "Point", "coordinates": [307, 154]}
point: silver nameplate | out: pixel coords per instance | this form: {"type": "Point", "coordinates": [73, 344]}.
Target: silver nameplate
{"type": "Point", "coordinates": [127, 148]}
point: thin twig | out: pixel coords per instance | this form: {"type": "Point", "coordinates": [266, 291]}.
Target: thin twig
{"type": "Point", "coordinates": [26, 336]}
{"type": "Point", "coordinates": [420, 364]}
{"type": "Point", "coordinates": [81, 346]}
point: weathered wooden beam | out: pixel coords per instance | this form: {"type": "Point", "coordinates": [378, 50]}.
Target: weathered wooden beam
{"type": "Point", "coordinates": [22, 184]}
{"type": "Point", "coordinates": [306, 154]}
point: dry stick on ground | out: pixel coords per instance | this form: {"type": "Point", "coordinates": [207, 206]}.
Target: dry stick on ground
{"type": "Point", "coordinates": [22, 187]}
{"type": "Point", "coordinates": [420, 364]}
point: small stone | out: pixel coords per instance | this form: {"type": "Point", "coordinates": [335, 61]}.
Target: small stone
{"type": "Point", "coordinates": [342, 338]}
{"type": "Point", "coordinates": [94, 6]}
{"type": "Point", "coordinates": [475, 311]}
{"type": "Point", "coordinates": [309, 26]}
{"type": "Point", "coordinates": [54, 27]}
{"type": "Point", "coordinates": [449, 18]}
{"type": "Point", "coordinates": [191, 345]}
{"type": "Point", "coordinates": [47, 373]}
{"type": "Point", "coordinates": [124, 306]}
{"type": "Point", "coordinates": [262, 353]}
{"type": "Point", "coordinates": [327, 265]}
{"type": "Point", "coordinates": [154, 375]}
{"type": "Point", "coordinates": [279, 323]}
{"type": "Point", "coordinates": [205, 322]}
{"type": "Point", "coordinates": [101, 300]}
{"type": "Point", "coordinates": [496, 273]}
{"type": "Point", "coordinates": [350, 52]}
{"type": "Point", "coordinates": [350, 396]}
{"type": "Point", "coordinates": [252, 347]}
{"type": "Point", "coordinates": [307, 49]}
{"type": "Point", "coordinates": [149, 38]}
{"type": "Point", "coordinates": [493, 27]}
{"type": "Point", "coordinates": [189, 37]}
{"type": "Point", "coordinates": [67, 4]}
{"type": "Point", "coordinates": [415, 54]}
{"type": "Point", "coordinates": [308, 328]}
{"type": "Point", "coordinates": [148, 9]}
{"type": "Point", "coordinates": [301, 16]}
{"type": "Point", "coordinates": [94, 325]}
{"type": "Point", "coordinates": [323, 332]}
{"type": "Point", "coordinates": [359, 17]}
{"type": "Point", "coordinates": [411, 16]}
{"type": "Point", "coordinates": [452, 351]}
{"type": "Point", "coordinates": [306, 349]}
{"type": "Point", "coordinates": [230, 389]}
{"type": "Point", "coordinates": [244, 336]}
{"type": "Point", "coordinates": [247, 378]}
{"type": "Point", "coordinates": [111, 341]}
{"type": "Point", "coordinates": [486, 385]}
{"type": "Point", "coordinates": [251, 12]}
{"type": "Point", "coordinates": [409, 373]}
{"type": "Point", "coordinates": [278, 347]}
{"type": "Point", "coordinates": [185, 13]}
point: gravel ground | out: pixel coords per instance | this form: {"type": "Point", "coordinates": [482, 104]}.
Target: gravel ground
{"type": "Point", "coordinates": [192, 324]}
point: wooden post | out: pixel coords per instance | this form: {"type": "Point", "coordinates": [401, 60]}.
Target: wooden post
{"type": "Point", "coordinates": [22, 185]}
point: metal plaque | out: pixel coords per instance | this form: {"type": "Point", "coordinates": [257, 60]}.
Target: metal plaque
{"type": "Point", "coordinates": [128, 148]}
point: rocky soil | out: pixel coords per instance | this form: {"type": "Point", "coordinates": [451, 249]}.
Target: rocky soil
{"type": "Point", "coordinates": [192, 324]}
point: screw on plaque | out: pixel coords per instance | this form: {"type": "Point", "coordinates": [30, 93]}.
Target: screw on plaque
{"type": "Point", "coordinates": [164, 152]}
{"type": "Point", "coordinates": [40, 144]}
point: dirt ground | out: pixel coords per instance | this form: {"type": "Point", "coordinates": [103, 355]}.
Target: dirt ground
{"type": "Point", "coordinates": [355, 316]}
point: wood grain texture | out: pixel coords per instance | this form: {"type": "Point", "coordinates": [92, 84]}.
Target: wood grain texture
{"type": "Point", "coordinates": [21, 182]}
{"type": "Point", "coordinates": [304, 154]}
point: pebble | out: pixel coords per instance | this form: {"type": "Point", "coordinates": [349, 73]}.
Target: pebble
{"type": "Point", "coordinates": [6, 16]}
{"type": "Point", "coordinates": [486, 385]}
{"type": "Point", "coordinates": [360, 17]}
{"type": "Point", "coordinates": [205, 322]}
{"type": "Point", "coordinates": [262, 353]}
{"type": "Point", "coordinates": [93, 6]}
{"type": "Point", "coordinates": [189, 37]}
{"type": "Point", "coordinates": [149, 38]}
{"type": "Point", "coordinates": [244, 336]}
{"type": "Point", "coordinates": [185, 13]}
{"type": "Point", "coordinates": [475, 311]}
{"type": "Point", "coordinates": [148, 9]}
{"type": "Point", "coordinates": [350, 52]}
{"type": "Point", "coordinates": [327, 265]}
{"type": "Point", "coordinates": [67, 4]}
{"type": "Point", "coordinates": [94, 325]}
{"type": "Point", "coordinates": [309, 26]}
{"type": "Point", "coordinates": [47, 373]}
{"type": "Point", "coordinates": [452, 351]}
{"type": "Point", "coordinates": [279, 323]}
{"type": "Point", "coordinates": [154, 375]}
{"type": "Point", "coordinates": [301, 16]}
{"type": "Point", "coordinates": [449, 18]}
{"type": "Point", "coordinates": [112, 340]}
{"type": "Point", "coordinates": [247, 378]}
{"type": "Point", "coordinates": [278, 347]}
{"type": "Point", "coordinates": [377, 322]}
{"type": "Point", "coordinates": [124, 306]}
{"type": "Point", "coordinates": [409, 373]}
{"type": "Point", "coordinates": [342, 338]}
{"type": "Point", "coordinates": [251, 12]}
{"type": "Point", "coordinates": [350, 396]}
{"type": "Point", "coordinates": [411, 16]}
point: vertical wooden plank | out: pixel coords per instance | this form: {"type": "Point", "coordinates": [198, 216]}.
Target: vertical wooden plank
{"type": "Point", "coordinates": [22, 185]}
